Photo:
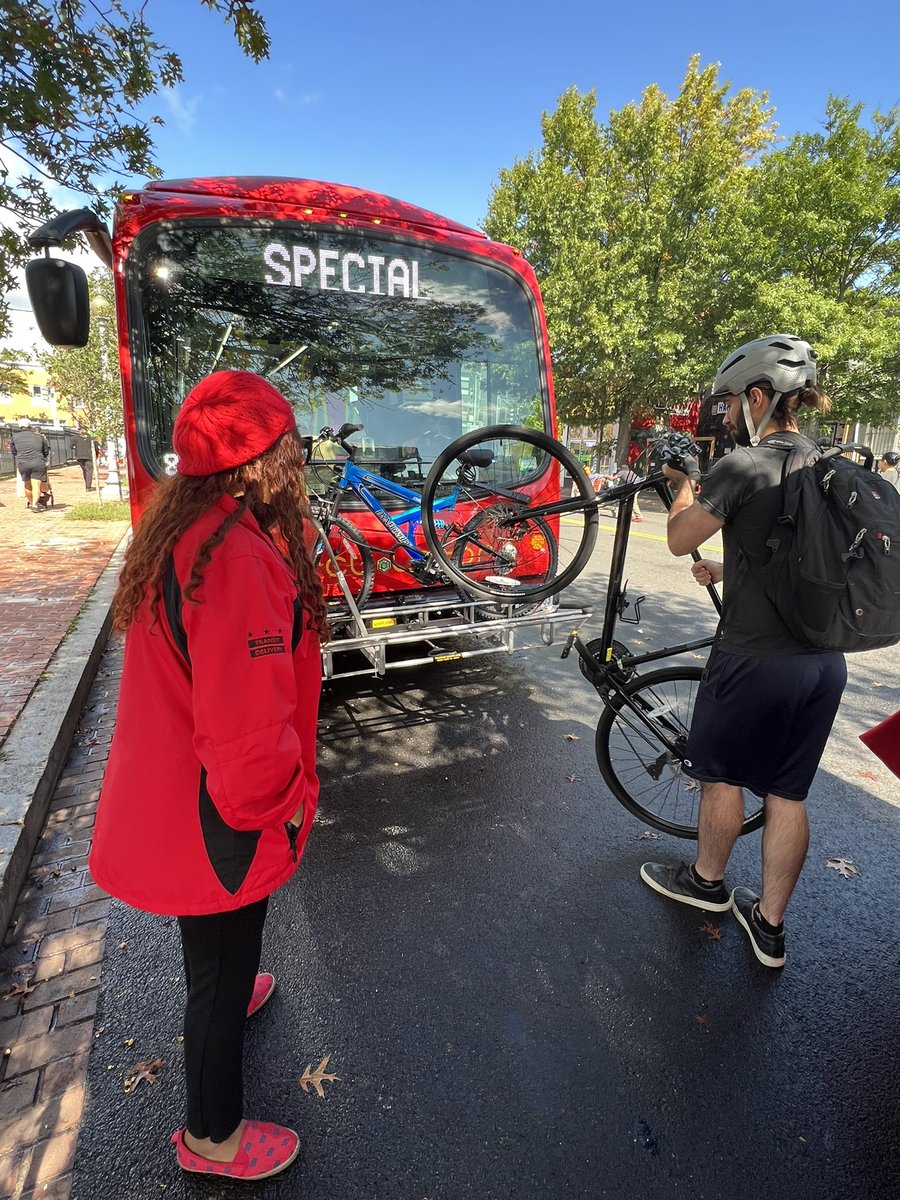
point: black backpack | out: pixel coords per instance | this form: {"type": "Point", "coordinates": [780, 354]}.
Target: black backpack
{"type": "Point", "coordinates": [834, 571]}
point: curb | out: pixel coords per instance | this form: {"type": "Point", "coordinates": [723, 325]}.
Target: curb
{"type": "Point", "coordinates": [35, 751]}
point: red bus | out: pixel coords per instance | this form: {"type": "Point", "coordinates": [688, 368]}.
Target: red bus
{"type": "Point", "coordinates": [358, 307]}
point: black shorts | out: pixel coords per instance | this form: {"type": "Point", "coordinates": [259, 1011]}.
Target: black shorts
{"type": "Point", "coordinates": [38, 473]}
{"type": "Point", "coordinates": [762, 723]}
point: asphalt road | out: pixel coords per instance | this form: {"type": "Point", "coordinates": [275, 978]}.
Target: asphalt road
{"type": "Point", "coordinates": [511, 1013]}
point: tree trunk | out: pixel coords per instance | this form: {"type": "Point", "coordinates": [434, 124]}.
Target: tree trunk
{"type": "Point", "coordinates": [626, 408]}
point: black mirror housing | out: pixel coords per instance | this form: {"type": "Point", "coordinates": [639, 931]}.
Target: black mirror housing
{"type": "Point", "coordinates": [58, 291]}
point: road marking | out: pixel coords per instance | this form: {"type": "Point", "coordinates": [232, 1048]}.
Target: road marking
{"type": "Point", "coordinates": [638, 533]}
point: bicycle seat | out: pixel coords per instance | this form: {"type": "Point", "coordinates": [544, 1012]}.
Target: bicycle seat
{"type": "Point", "coordinates": [476, 458]}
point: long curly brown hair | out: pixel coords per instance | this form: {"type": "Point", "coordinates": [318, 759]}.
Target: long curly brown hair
{"type": "Point", "coordinates": [273, 491]}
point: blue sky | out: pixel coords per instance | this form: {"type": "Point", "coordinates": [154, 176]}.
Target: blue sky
{"type": "Point", "coordinates": [427, 102]}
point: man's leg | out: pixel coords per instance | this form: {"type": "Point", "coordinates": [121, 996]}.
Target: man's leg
{"type": "Point", "coordinates": [721, 819]}
{"type": "Point", "coordinates": [785, 842]}
{"type": "Point", "coordinates": [28, 491]}
{"type": "Point", "coordinates": [701, 885]}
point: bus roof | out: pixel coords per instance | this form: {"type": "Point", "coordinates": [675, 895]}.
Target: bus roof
{"type": "Point", "coordinates": [310, 193]}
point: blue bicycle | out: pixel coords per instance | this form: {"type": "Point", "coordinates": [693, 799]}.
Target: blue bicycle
{"type": "Point", "coordinates": [468, 526]}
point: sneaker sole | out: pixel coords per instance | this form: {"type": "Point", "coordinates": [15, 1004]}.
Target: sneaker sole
{"type": "Point", "coordinates": [766, 959]}
{"type": "Point", "coordinates": [707, 905]}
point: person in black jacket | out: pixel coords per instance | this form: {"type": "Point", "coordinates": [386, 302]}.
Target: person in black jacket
{"type": "Point", "coordinates": [31, 450]}
{"type": "Point", "coordinates": [85, 449]}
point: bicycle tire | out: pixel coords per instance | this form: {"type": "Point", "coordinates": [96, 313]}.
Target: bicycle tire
{"type": "Point", "coordinates": [471, 542]}
{"type": "Point", "coordinates": [625, 747]}
{"type": "Point", "coordinates": [355, 560]}
{"type": "Point", "coordinates": [519, 490]}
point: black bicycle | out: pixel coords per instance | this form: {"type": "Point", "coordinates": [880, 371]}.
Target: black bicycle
{"type": "Point", "coordinates": [643, 728]}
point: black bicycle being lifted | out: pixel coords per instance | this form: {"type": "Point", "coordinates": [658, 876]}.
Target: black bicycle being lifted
{"type": "Point", "coordinates": [643, 727]}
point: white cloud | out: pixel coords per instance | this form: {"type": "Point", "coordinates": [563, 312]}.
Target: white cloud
{"type": "Point", "coordinates": [182, 110]}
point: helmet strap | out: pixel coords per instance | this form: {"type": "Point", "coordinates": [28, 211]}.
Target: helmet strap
{"type": "Point", "coordinates": [755, 436]}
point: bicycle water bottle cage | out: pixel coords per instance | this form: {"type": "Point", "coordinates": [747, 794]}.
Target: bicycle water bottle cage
{"type": "Point", "coordinates": [624, 603]}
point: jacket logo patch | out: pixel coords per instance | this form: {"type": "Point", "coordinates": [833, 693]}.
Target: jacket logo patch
{"type": "Point", "coordinates": [266, 644]}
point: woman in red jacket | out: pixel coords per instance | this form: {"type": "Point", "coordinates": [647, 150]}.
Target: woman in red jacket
{"type": "Point", "coordinates": [213, 759]}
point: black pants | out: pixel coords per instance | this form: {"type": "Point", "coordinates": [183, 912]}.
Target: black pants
{"type": "Point", "coordinates": [87, 470]}
{"type": "Point", "coordinates": [221, 959]}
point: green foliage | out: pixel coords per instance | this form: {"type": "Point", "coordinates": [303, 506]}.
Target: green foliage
{"type": "Point", "coordinates": [73, 79]}
{"type": "Point", "coordinates": [673, 232]}
{"type": "Point", "coordinates": [826, 208]}
{"type": "Point", "coordinates": [12, 378]}
{"type": "Point", "coordinates": [630, 226]}
{"type": "Point", "coordinates": [89, 378]}
{"type": "Point", "coordinates": [112, 510]}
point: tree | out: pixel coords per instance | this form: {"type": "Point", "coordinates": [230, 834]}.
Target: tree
{"type": "Point", "coordinates": [12, 378]}
{"type": "Point", "coordinates": [89, 378]}
{"type": "Point", "coordinates": [826, 208]}
{"type": "Point", "coordinates": [73, 76]}
{"type": "Point", "coordinates": [636, 230]}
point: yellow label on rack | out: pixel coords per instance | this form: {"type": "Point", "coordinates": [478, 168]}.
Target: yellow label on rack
{"type": "Point", "coordinates": [383, 622]}
{"type": "Point", "coordinates": [448, 657]}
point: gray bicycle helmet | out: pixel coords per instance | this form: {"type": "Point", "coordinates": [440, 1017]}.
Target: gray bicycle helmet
{"type": "Point", "coordinates": [783, 360]}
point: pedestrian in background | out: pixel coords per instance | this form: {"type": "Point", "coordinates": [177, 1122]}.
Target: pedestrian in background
{"type": "Point", "coordinates": [211, 789]}
{"type": "Point", "coordinates": [31, 452]}
{"type": "Point", "coordinates": [889, 466]}
{"type": "Point", "coordinates": [765, 707]}
{"type": "Point", "coordinates": [85, 449]}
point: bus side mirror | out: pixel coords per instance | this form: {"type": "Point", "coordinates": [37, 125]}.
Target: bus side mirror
{"type": "Point", "coordinates": [58, 291]}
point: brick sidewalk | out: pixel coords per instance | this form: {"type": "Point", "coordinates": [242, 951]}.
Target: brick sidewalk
{"type": "Point", "coordinates": [48, 565]}
{"type": "Point", "coordinates": [50, 961]}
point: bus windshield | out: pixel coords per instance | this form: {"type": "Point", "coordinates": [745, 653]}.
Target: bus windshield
{"type": "Point", "coordinates": [416, 342]}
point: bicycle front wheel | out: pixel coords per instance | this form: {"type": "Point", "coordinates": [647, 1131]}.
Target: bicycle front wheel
{"type": "Point", "coordinates": [354, 559]}
{"type": "Point", "coordinates": [640, 753]}
{"type": "Point", "coordinates": [524, 520]}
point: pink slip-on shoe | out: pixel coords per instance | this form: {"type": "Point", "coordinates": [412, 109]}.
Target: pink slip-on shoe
{"type": "Point", "coordinates": [265, 1150]}
{"type": "Point", "coordinates": [262, 991]}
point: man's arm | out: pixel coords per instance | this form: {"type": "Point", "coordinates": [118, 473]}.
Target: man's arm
{"type": "Point", "coordinates": [689, 524]}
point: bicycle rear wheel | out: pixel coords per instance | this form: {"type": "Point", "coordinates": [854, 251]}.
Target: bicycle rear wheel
{"type": "Point", "coordinates": [354, 558]}
{"type": "Point", "coordinates": [525, 520]}
{"type": "Point", "coordinates": [640, 769]}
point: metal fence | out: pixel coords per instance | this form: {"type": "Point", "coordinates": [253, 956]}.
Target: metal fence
{"type": "Point", "coordinates": [62, 446]}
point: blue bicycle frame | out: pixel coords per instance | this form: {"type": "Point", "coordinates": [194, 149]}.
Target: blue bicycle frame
{"type": "Point", "coordinates": [359, 481]}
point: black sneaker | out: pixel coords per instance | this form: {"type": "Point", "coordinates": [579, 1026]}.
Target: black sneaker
{"type": "Point", "coordinates": [768, 947]}
{"type": "Point", "coordinates": [678, 883]}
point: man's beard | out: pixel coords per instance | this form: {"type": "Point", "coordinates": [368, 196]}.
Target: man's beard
{"type": "Point", "coordinates": [739, 432]}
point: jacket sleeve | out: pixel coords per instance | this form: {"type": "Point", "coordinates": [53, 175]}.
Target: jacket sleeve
{"type": "Point", "coordinates": [245, 689]}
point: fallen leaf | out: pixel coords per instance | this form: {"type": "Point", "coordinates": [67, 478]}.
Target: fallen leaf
{"type": "Point", "coordinates": [845, 867]}
{"type": "Point", "coordinates": [122, 945]}
{"type": "Point", "coordinates": [867, 774]}
{"type": "Point", "coordinates": [148, 1069]}
{"type": "Point", "coordinates": [21, 989]}
{"type": "Point", "coordinates": [701, 1019]}
{"type": "Point", "coordinates": [316, 1078]}
{"type": "Point", "coordinates": [647, 836]}
{"type": "Point", "coordinates": [572, 737]}
{"type": "Point", "coordinates": [691, 785]}
{"type": "Point", "coordinates": [712, 931]}
{"type": "Point", "coordinates": [129, 1041]}
{"type": "Point", "coordinates": [571, 778]}
{"type": "Point", "coordinates": [701, 656]}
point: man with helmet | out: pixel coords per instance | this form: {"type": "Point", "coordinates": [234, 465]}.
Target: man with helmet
{"type": "Point", "coordinates": [767, 702]}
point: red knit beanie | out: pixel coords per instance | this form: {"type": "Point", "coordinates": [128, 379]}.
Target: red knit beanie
{"type": "Point", "coordinates": [227, 419]}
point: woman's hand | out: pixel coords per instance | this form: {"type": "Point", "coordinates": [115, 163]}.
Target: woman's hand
{"type": "Point", "coordinates": [705, 571]}
{"type": "Point", "coordinates": [297, 819]}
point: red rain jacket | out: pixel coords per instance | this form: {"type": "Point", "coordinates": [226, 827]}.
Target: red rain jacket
{"type": "Point", "coordinates": [215, 741]}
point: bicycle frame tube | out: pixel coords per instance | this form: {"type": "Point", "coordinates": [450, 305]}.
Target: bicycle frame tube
{"type": "Point", "coordinates": [360, 481]}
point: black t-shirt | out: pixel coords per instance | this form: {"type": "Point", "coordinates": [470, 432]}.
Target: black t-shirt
{"type": "Point", "coordinates": [31, 449]}
{"type": "Point", "coordinates": [743, 489]}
